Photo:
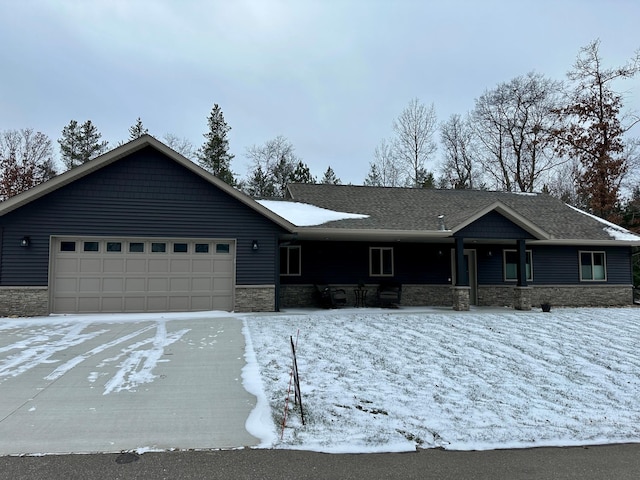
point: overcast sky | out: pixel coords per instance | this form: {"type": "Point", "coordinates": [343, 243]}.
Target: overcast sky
{"type": "Point", "coordinates": [329, 75]}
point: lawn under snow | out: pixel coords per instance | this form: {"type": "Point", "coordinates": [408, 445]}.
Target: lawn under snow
{"type": "Point", "coordinates": [391, 381]}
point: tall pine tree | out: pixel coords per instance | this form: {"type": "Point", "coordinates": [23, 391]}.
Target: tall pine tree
{"type": "Point", "coordinates": [214, 154]}
{"type": "Point", "coordinates": [137, 130]}
{"type": "Point", "coordinates": [330, 177]}
{"type": "Point", "coordinates": [80, 143]}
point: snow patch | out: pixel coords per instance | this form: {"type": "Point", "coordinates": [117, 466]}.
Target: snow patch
{"type": "Point", "coordinates": [304, 214]}
{"type": "Point", "coordinates": [614, 231]}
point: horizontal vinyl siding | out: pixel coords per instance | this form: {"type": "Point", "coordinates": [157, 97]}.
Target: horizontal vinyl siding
{"type": "Point", "coordinates": [348, 262]}
{"type": "Point", "coordinates": [143, 195]}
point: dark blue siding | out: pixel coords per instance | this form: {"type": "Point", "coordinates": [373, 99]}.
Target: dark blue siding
{"type": "Point", "coordinates": [145, 194]}
{"type": "Point", "coordinates": [348, 262]}
{"type": "Point", "coordinates": [493, 225]}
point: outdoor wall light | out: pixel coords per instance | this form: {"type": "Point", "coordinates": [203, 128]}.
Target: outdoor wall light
{"type": "Point", "coordinates": [489, 253]}
{"type": "Point", "coordinates": [254, 245]}
{"type": "Point", "coordinates": [25, 242]}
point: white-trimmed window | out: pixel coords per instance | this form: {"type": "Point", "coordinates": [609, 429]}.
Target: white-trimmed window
{"type": "Point", "coordinates": [593, 267]}
{"type": "Point", "coordinates": [510, 262]}
{"type": "Point", "coordinates": [381, 261]}
{"type": "Point", "coordinates": [290, 260]}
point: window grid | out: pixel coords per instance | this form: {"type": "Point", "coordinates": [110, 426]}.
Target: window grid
{"type": "Point", "coordinates": [593, 266]}
{"type": "Point", "coordinates": [510, 265]}
{"type": "Point", "coordinates": [381, 261]}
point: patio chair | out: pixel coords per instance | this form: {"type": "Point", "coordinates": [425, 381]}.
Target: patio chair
{"type": "Point", "coordinates": [329, 297]}
{"type": "Point", "coordinates": [389, 295]}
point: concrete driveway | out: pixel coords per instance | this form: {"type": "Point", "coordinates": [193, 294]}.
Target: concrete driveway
{"type": "Point", "coordinates": [107, 384]}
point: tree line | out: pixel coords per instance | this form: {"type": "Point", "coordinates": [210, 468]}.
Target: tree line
{"type": "Point", "coordinates": [531, 133]}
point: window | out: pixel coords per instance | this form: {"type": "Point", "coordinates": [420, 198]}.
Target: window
{"type": "Point", "coordinates": [511, 265]}
{"type": "Point", "coordinates": [136, 247]}
{"type": "Point", "coordinates": [381, 261]}
{"type": "Point", "coordinates": [158, 247]}
{"type": "Point", "coordinates": [290, 260]}
{"type": "Point", "coordinates": [202, 248]}
{"type": "Point", "coordinates": [222, 248]}
{"type": "Point", "coordinates": [114, 246]}
{"type": "Point", "coordinates": [67, 246]}
{"type": "Point", "coordinates": [593, 266]}
{"type": "Point", "coordinates": [91, 246]}
{"type": "Point", "coordinates": [180, 248]}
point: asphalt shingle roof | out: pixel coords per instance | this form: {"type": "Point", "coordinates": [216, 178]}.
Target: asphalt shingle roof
{"type": "Point", "coordinates": [418, 209]}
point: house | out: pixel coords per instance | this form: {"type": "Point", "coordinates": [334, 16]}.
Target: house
{"type": "Point", "coordinates": [457, 248]}
{"type": "Point", "coordinates": [143, 229]}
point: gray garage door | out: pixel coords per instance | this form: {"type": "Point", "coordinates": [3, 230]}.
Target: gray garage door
{"type": "Point", "coordinates": [141, 275]}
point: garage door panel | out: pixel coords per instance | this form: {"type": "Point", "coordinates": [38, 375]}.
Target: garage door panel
{"type": "Point", "coordinates": [135, 285]}
{"type": "Point", "coordinates": [89, 285]}
{"type": "Point", "coordinates": [138, 277]}
{"type": "Point", "coordinates": [113, 265]}
{"type": "Point", "coordinates": [158, 284]}
{"type": "Point", "coordinates": [113, 285]}
{"type": "Point", "coordinates": [158, 265]}
{"type": "Point", "coordinates": [157, 304]}
{"type": "Point", "coordinates": [67, 285]}
{"type": "Point", "coordinates": [90, 265]}
{"type": "Point", "coordinates": [112, 304]}
{"type": "Point", "coordinates": [180, 266]}
{"type": "Point", "coordinates": [223, 266]}
{"type": "Point", "coordinates": [136, 265]}
{"type": "Point", "coordinates": [67, 265]}
{"type": "Point", "coordinates": [204, 265]}
{"type": "Point", "coordinates": [203, 284]}
{"type": "Point", "coordinates": [135, 304]}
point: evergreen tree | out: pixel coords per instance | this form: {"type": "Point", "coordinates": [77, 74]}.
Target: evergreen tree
{"type": "Point", "coordinates": [137, 130]}
{"type": "Point", "coordinates": [80, 143]}
{"type": "Point", "coordinates": [330, 177]}
{"type": "Point", "coordinates": [302, 174]}
{"type": "Point", "coordinates": [214, 154]}
{"type": "Point", "coordinates": [374, 179]}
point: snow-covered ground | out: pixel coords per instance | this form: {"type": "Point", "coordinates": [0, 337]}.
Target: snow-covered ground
{"type": "Point", "coordinates": [486, 379]}
{"type": "Point", "coordinates": [387, 380]}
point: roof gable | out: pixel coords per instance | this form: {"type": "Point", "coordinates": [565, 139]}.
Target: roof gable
{"type": "Point", "coordinates": [499, 221]}
{"type": "Point", "coordinates": [121, 152]}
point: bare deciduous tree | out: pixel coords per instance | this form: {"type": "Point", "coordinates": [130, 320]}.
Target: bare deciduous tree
{"type": "Point", "coordinates": [275, 164]}
{"type": "Point", "coordinates": [384, 171]}
{"type": "Point", "coordinates": [26, 160]}
{"type": "Point", "coordinates": [459, 168]}
{"type": "Point", "coordinates": [181, 145]}
{"type": "Point", "coordinates": [513, 125]}
{"type": "Point", "coordinates": [414, 142]}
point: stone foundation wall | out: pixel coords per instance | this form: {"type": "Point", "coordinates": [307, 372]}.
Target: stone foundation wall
{"type": "Point", "coordinates": [304, 296]}
{"type": "Point", "coordinates": [559, 295]}
{"type": "Point", "coordinates": [255, 298]}
{"type": "Point", "coordinates": [24, 301]}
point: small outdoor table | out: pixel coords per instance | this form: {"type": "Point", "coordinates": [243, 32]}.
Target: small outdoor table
{"type": "Point", "coordinates": [361, 296]}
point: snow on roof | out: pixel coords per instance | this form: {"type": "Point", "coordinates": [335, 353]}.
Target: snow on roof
{"type": "Point", "coordinates": [614, 231]}
{"type": "Point", "coordinates": [305, 215]}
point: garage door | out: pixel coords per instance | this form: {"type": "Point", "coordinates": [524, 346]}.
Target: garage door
{"type": "Point", "coordinates": [141, 275]}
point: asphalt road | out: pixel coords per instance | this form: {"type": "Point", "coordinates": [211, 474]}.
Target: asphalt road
{"type": "Point", "coordinates": [620, 462]}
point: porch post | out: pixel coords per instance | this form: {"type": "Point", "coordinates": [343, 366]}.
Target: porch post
{"type": "Point", "coordinates": [521, 292]}
{"type": "Point", "coordinates": [461, 290]}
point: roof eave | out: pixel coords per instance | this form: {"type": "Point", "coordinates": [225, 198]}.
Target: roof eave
{"type": "Point", "coordinates": [354, 234]}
